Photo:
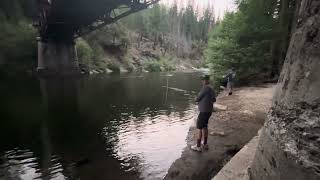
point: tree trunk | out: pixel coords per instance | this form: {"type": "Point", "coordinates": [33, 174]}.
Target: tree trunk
{"type": "Point", "coordinates": [289, 147]}
{"type": "Point", "coordinates": [139, 39]}
{"type": "Point", "coordinates": [114, 39]}
{"type": "Point", "coordinates": [155, 41]}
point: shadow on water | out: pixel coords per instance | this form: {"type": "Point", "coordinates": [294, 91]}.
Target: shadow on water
{"type": "Point", "coordinates": [103, 127]}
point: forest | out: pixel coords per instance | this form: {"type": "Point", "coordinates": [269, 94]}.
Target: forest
{"type": "Point", "coordinates": [157, 39]}
{"type": "Point", "coordinates": [253, 39]}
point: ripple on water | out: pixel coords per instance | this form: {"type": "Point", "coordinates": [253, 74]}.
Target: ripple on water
{"type": "Point", "coordinates": [143, 126]}
{"type": "Point", "coordinates": [142, 142]}
{"type": "Point", "coordinates": [24, 164]}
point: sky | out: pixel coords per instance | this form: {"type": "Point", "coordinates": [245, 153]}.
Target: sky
{"type": "Point", "coordinates": [220, 6]}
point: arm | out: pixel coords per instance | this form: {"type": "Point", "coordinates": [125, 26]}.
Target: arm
{"type": "Point", "coordinates": [201, 94]}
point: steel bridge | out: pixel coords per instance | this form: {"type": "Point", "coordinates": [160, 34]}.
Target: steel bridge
{"type": "Point", "coordinates": [60, 22]}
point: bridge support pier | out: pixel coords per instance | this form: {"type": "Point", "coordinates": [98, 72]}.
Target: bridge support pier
{"type": "Point", "coordinates": [57, 58]}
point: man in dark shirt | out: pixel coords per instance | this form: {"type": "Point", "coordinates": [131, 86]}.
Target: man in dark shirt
{"type": "Point", "coordinates": [205, 101]}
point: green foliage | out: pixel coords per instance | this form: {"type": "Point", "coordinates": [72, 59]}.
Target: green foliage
{"type": "Point", "coordinates": [225, 49]}
{"type": "Point", "coordinates": [172, 29]}
{"type": "Point", "coordinates": [85, 52]}
{"type": "Point", "coordinates": [178, 33]}
{"type": "Point", "coordinates": [11, 10]}
{"type": "Point", "coordinates": [98, 52]}
{"type": "Point", "coordinates": [95, 47]}
{"type": "Point", "coordinates": [114, 34]}
{"type": "Point", "coordinates": [167, 64]}
{"type": "Point", "coordinates": [18, 42]}
{"type": "Point", "coordinates": [18, 46]}
{"type": "Point", "coordinates": [114, 67]}
{"type": "Point", "coordinates": [153, 66]}
{"type": "Point", "coordinates": [164, 64]}
{"type": "Point", "coordinates": [244, 40]}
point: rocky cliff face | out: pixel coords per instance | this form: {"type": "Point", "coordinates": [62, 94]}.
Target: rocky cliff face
{"type": "Point", "coordinates": [290, 144]}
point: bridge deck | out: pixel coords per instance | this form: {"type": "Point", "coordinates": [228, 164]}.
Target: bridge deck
{"type": "Point", "coordinates": [62, 19]}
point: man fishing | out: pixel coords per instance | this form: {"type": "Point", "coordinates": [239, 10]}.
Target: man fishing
{"type": "Point", "coordinates": [205, 101]}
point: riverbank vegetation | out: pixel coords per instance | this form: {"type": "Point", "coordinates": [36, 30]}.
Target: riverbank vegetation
{"type": "Point", "coordinates": [160, 38]}
{"type": "Point", "coordinates": [17, 36]}
{"type": "Point", "coordinates": [254, 40]}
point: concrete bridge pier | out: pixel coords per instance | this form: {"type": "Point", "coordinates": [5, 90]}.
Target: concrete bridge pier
{"type": "Point", "coordinates": [57, 58]}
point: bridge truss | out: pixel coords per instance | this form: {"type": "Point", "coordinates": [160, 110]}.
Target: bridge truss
{"type": "Point", "coordinates": [63, 20]}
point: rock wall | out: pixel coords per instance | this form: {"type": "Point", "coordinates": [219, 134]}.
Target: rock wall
{"type": "Point", "coordinates": [289, 148]}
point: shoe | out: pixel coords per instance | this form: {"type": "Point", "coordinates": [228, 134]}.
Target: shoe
{"type": "Point", "coordinates": [196, 148]}
{"type": "Point", "coordinates": [205, 147]}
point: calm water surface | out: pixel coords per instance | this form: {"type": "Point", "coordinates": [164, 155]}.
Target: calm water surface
{"type": "Point", "coordinates": [102, 127]}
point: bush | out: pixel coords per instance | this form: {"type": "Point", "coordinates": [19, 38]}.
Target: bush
{"type": "Point", "coordinates": [18, 43]}
{"type": "Point", "coordinates": [114, 67]}
{"type": "Point", "coordinates": [153, 66]}
{"type": "Point", "coordinates": [166, 64]}
{"type": "Point", "coordinates": [85, 52]}
{"type": "Point", "coordinates": [114, 34]}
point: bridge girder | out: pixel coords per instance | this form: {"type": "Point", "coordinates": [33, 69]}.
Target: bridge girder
{"type": "Point", "coordinates": [61, 21]}
{"type": "Point", "coordinates": [67, 19]}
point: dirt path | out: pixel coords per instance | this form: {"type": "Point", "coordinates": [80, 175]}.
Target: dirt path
{"type": "Point", "coordinates": [229, 131]}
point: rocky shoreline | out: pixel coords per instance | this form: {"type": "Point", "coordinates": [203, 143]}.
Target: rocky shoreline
{"type": "Point", "coordinates": [229, 131]}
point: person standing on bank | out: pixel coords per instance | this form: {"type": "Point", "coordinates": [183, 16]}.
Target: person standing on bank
{"type": "Point", "coordinates": [205, 101]}
{"type": "Point", "coordinates": [230, 76]}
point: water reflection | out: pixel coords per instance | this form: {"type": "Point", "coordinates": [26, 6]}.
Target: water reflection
{"type": "Point", "coordinates": [22, 164]}
{"type": "Point", "coordinates": [104, 127]}
{"type": "Point", "coordinates": [156, 141]}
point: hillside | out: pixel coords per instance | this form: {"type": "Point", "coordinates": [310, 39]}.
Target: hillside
{"type": "Point", "coordinates": [140, 56]}
{"type": "Point", "coordinates": [160, 38]}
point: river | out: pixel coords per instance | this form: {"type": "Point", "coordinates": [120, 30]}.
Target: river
{"type": "Point", "coordinates": [97, 127]}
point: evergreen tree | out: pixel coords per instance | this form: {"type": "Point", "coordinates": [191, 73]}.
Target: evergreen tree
{"type": "Point", "coordinates": [254, 39]}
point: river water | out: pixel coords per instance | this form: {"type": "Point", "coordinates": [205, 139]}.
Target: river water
{"type": "Point", "coordinates": [97, 127]}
